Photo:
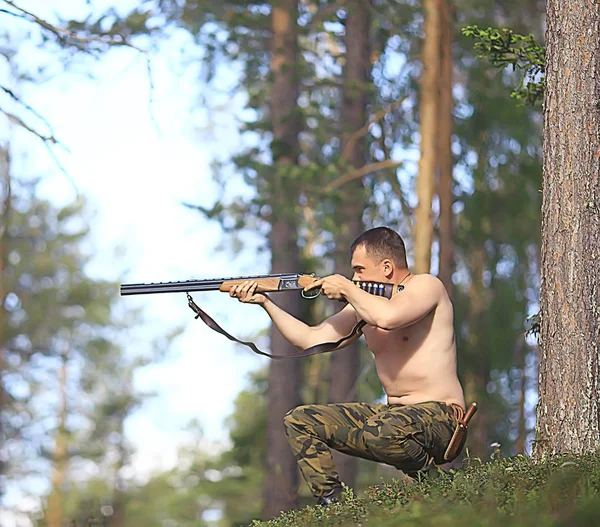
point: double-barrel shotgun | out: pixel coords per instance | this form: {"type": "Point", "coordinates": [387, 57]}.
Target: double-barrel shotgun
{"type": "Point", "coordinates": [272, 283]}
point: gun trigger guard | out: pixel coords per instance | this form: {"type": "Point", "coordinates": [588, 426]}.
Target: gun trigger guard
{"type": "Point", "coordinates": [310, 297]}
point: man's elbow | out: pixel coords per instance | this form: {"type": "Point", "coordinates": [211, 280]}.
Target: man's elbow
{"type": "Point", "coordinates": [388, 323]}
{"type": "Point", "coordinates": [309, 338]}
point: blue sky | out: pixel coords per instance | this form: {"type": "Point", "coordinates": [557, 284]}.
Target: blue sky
{"type": "Point", "coordinates": [136, 167]}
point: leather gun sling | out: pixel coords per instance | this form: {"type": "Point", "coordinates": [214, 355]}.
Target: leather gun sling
{"type": "Point", "coordinates": [313, 350]}
{"type": "Point", "coordinates": [324, 347]}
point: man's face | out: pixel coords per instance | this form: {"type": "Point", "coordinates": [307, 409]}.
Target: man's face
{"type": "Point", "coordinates": [365, 268]}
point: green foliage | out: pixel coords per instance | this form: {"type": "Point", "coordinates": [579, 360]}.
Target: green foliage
{"type": "Point", "coordinates": [177, 495]}
{"type": "Point", "coordinates": [497, 227]}
{"type": "Point", "coordinates": [52, 309]}
{"type": "Point", "coordinates": [504, 48]}
{"type": "Point", "coordinates": [110, 26]}
{"type": "Point", "coordinates": [236, 34]}
{"type": "Point", "coordinates": [64, 359]}
{"type": "Point", "coordinates": [558, 491]}
{"type": "Point", "coordinates": [240, 487]}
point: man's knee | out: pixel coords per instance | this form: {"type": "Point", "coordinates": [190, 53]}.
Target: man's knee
{"type": "Point", "coordinates": [294, 417]}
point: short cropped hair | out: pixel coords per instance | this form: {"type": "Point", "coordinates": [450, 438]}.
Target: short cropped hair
{"type": "Point", "coordinates": [381, 243]}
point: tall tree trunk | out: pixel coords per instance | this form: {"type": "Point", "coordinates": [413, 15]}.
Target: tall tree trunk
{"type": "Point", "coordinates": [568, 411]}
{"type": "Point", "coordinates": [445, 180]}
{"type": "Point", "coordinates": [313, 391]}
{"type": "Point", "coordinates": [428, 108]}
{"type": "Point", "coordinates": [477, 377]}
{"type": "Point", "coordinates": [55, 511]}
{"type": "Point", "coordinates": [118, 517]}
{"type": "Point", "coordinates": [521, 359]}
{"type": "Point", "coordinates": [284, 376]}
{"type": "Point", "coordinates": [6, 210]}
{"type": "Point", "coordinates": [345, 364]}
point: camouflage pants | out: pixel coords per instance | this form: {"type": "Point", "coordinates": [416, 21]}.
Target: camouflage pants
{"type": "Point", "coordinates": [408, 437]}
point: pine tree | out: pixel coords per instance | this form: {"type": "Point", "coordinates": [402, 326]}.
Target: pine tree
{"type": "Point", "coordinates": [568, 411]}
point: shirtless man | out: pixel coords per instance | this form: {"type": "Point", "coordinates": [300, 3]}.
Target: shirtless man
{"type": "Point", "coordinates": [412, 339]}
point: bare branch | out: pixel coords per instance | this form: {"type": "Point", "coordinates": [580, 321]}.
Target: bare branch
{"type": "Point", "coordinates": [62, 169]}
{"type": "Point", "coordinates": [151, 91]}
{"type": "Point", "coordinates": [63, 33]}
{"type": "Point", "coordinates": [393, 180]}
{"type": "Point", "coordinates": [80, 42]}
{"type": "Point", "coordinates": [362, 171]}
{"type": "Point", "coordinates": [353, 139]}
{"type": "Point", "coordinates": [11, 13]}
{"type": "Point", "coordinates": [15, 98]}
{"type": "Point", "coordinates": [406, 208]}
{"type": "Point", "coordinates": [48, 140]}
{"type": "Point", "coordinates": [17, 120]}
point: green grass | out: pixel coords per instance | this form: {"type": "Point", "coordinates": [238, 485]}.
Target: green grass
{"type": "Point", "coordinates": [561, 491]}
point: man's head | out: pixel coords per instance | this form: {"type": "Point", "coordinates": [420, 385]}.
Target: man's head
{"type": "Point", "coordinates": [378, 255]}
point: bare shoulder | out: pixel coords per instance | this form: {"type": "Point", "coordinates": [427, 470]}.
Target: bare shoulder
{"type": "Point", "coordinates": [422, 294]}
{"type": "Point", "coordinates": [426, 283]}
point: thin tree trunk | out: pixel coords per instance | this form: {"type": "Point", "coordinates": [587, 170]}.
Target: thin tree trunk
{"type": "Point", "coordinates": [445, 180]}
{"type": "Point", "coordinates": [428, 108]}
{"type": "Point", "coordinates": [6, 211]}
{"type": "Point", "coordinates": [316, 367]}
{"type": "Point", "coordinates": [521, 442]}
{"type": "Point", "coordinates": [55, 510]}
{"type": "Point", "coordinates": [568, 411]}
{"type": "Point", "coordinates": [478, 375]}
{"type": "Point", "coordinates": [284, 376]}
{"type": "Point", "coordinates": [118, 516]}
{"type": "Point", "coordinates": [345, 365]}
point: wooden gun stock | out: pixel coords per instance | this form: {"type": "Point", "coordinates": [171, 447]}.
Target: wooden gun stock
{"type": "Point", "coordinates": [270, 285]}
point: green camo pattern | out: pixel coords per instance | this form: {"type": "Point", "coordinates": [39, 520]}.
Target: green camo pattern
{"type": "Point", "coordinates": [408, 437]}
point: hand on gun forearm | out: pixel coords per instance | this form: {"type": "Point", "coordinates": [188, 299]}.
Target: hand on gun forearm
{"type": "Point", "coordinates": [246, 293]}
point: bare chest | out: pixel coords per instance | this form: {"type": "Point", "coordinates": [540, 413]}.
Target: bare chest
{"type": "Point", "coordinates": [407, 339]}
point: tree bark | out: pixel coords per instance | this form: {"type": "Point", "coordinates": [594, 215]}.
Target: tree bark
{"type": "Point", "coordinates": [345, 364]}
{"type": "Point", "coordinates": [55, 512]}
{"type": "Point", "coordinates": [477, 378]}
{"type": "Point", "coordinates": [119, 501]}
{"type": "Point", "coordinates": [568, 411]}
{"type": "Point", "coordinates": [284, 376]}
{"type": "Point", "coordinates": [6, 211]}
{"type": "Point", "coordinates": [521, 360]}
{"type": "Point", "coordinates": [445, 180]}
{"type": "Point", "coordinates": [428, 108]}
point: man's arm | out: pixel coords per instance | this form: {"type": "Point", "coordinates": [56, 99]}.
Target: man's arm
{"type": "Point", "coordinates": [299, 334]}
{"type": "Point", "coordinates": [420, 296]}
{"type": "Point", "coordinates": [303, 336]}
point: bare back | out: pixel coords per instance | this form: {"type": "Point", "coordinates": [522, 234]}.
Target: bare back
{"type": "Point", "coordinates": [417, 363]}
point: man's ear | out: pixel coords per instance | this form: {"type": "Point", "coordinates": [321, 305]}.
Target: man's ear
{"type": "Point", "coordinates": [388, 266]}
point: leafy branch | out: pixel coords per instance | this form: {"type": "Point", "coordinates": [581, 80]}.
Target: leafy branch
{"type": "Point", "coordinates": [504, 48]}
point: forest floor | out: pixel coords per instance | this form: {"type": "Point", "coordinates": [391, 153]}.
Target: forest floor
{"type": "Point", "coordinates": [561, 491]}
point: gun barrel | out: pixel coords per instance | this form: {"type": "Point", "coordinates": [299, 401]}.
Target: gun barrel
{"type": "Point", "coordinates": [213, 284]}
